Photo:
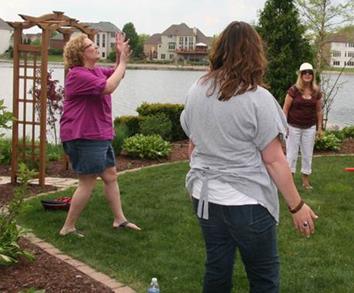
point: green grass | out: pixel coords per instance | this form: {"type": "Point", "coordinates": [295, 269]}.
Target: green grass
{"type": "Point", "coordinates": [170, 246]}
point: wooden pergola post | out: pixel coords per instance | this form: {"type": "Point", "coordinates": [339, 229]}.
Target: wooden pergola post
{"type": "Point", "coordinates": [30, 70]}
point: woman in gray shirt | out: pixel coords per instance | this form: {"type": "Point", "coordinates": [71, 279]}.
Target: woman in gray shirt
{"type": "Point", "coordinates": [237, 163]}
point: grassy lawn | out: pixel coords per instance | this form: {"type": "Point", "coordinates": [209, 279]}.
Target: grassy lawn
{"type": "Point", "coordinates": [170, 246]}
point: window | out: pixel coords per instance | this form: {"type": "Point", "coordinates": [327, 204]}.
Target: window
{"type": "Point", "coordinates": [171, 46]}
{"type": "Point", "coordinates": [98, 40]}
{"type": "Point", "coordinates": [172, 56]}
{"type": "Point", "coordinates": [350, 63]}
{"type": "Point", "coordinates": [351, 54]}
{"type": "Point", "coordinates": [104, 40]}
{"type": "Point", "coordinates": [336, 63]}
{"type": "Point", "coordinates": [103, 54]}
{"type": "Point", "coordinates": [113, 35]}
{"type": "Point", "coordinates": [350, 44]}
{"type": "Point", "coordinates": [163, 56]}
{"type": "Point", "coordinates": [336, 53]}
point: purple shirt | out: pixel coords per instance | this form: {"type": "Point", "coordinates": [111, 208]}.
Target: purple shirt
{"type": "Point", "coordinates": [87, 112]}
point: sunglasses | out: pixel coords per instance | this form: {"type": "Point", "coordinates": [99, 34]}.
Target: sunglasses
{"type": "Point", "coordinates": [307, 72]}
{"type": "Point", "coordinates": [88, 46]}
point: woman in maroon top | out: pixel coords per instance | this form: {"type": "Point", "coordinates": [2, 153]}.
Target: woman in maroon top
{"type": "Point", "coordinates": [303, 109]}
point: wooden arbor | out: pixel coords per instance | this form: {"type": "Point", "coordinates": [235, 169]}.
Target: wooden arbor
{"type": "Point", "coordinates": [30, 66]}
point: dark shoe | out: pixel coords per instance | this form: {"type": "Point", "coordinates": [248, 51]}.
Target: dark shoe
{"type": "Point", "coordinates": [126, 225]}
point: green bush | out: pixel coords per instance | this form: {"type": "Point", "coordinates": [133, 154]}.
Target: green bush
{"type": "Point", "coordinates": [156, 124]}
{"type": "Point", "coordinates": [173, 111]}
{"type": "Point", "coordinates": [54, 152]}
{"type": "Point", "coordinates": [132, 123]}
{"type": "Point", "coordinates": [10, 233]}
{"type": "Point", "coordinates": [121, 135]}
{"type": "Point", "coordinates": [348, 132]}
{"type": "Point", "coordinates": [5, 151]}
{"type": "Point", "coordinates": [328, 142]}
{"type": "Point", "coordinates": [147, 147]}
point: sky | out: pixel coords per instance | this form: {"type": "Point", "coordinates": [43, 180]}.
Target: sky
{"type": "Point", "coordinates": [148, 16]}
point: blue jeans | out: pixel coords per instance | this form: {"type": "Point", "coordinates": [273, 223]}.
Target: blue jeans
{"type": "Point", "coordinates": [252, 230]}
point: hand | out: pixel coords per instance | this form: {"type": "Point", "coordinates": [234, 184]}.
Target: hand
{"type": "Point", "coordinates": [304, 220]}
{"type": "Point", "coordinates": [319, 133]}
{"type": "Point", "coordinates": [123, 50]}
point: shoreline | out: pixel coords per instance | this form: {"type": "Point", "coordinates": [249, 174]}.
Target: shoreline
{"type": "Point", "coordinates": [137, 66]}
{"type": "Point", "coordinates": [154, 66]}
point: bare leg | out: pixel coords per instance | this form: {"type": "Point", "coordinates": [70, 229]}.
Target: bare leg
{"type": "Point", "coordinates": [306, 181]}
{"type": "Point", "coordinates": [80, 198]}
{"type": "Point", "coordinates": [111, 188]}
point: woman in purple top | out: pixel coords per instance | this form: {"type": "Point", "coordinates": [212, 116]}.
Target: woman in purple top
{"type": "Point", "coordinates": [303, 109]}
{"type": "Point", "coordinates": [86, 128]}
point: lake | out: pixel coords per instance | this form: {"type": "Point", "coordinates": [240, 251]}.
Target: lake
{"type": "Point", "coordinates": [171, 86]}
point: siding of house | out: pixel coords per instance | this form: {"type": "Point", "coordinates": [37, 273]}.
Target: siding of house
{"type": "Point", "coordinates": [5, 36]}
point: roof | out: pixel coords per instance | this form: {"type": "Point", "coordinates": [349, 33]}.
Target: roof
{"type": "Point", "coordinates": [341, 38]}
{"type": "Point", "coordinates": [102, 26]}
{"type": "Point", "coordinates": [155, 39]}
{"type": "Point", "coordinates": [5, 26]}
{"type": "Point", "coordinates": [184, 30]}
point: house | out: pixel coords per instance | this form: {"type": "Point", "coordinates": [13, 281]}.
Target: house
{"type": "Point", "coordinates": [5, 36]}
{"type": "Point", "coordinates": [341, 50]}
{"type": "Point", "coordinates": [178, 43]}
{"type": "Point", "coordinates": [105, 36]}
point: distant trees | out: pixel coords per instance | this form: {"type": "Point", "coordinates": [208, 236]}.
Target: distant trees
{"type": "Point", "coordinates": [133, 37]}
{"type": "Point", "coordinates": [280, 27]}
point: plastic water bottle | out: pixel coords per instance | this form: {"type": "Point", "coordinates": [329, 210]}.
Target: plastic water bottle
{"type": "Point", "coordinates": [154, 286]}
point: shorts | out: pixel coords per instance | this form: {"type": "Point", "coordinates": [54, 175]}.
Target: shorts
{"type": "Point", "coordinates": [90, 156]}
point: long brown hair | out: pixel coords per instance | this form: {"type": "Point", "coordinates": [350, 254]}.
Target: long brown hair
{"type": "Point", "coordinates": [237, 61]}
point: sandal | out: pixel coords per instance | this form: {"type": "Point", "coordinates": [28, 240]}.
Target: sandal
{"type": "Point", "coordinates": [126, 225]}
{"type": "Point", "coordinates": [75, 233]}
{"type": "Point", "coordinates": [307, 187]}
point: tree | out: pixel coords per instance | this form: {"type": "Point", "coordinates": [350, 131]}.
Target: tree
{"type": "Point", "coordinates": [286, 47]}
{"type": "Point", "coordinates": [322, 18]}
{"type": "Point", "coordinates": [133, 37]}
{"type": "Point", "coordinates": [140, 47]}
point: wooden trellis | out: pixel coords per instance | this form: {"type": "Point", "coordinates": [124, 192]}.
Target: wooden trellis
{"type": "Point", "coordinates": [30, 66]}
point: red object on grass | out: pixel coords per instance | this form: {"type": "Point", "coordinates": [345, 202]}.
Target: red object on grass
{"type": "Point", "coordinates": [349, 169]}
{"type": "Point", "coordinates": [60, 203]}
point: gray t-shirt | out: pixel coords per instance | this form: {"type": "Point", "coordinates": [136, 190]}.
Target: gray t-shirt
{"type": "Point", "coordinates": [229, 137]}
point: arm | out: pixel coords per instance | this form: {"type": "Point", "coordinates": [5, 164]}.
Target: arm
{"type": "Point", "coordinates": [278, 168]}
{"type": "Point", "coordinates": [190, 148]}
{"type": "Point", "coordinates": [287, 104]}
{"type": "Point", "coordinates": [319, 117]}
{"type": "Point", "coordinates": [113, 81]}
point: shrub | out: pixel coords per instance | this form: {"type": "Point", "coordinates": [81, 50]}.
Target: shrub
{"type": "Point", "coordinates": [328, 142]}
{"type": "Point", "coordinates": [132, 123]}
{"type": "Point", "coordinates": [156, 124]}
{"type": "Point", "coordinates": [10, 251]}
{"type": "Point", "coordinates": [121, 134]}
{"type": "Point", "coordinates": [5, 151]}
{"type": "Point", "coordinates": [173, 112]}
{"type": "Point", "coordinates": [348, 132]}
{"type": "Point", "coordinates": [147, 147]}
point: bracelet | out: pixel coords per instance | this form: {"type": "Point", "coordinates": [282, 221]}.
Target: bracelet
{"type": "Point", "coordinates": [297, 208]}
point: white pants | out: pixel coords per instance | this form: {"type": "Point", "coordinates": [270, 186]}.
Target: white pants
{"type": "Point", "coordinates": [305, 140]}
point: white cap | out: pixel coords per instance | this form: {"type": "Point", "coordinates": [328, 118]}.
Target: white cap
{"type": "Point", "coordinates": [154, 280]}
{"type": "Point", "coordinates": [306, 66]}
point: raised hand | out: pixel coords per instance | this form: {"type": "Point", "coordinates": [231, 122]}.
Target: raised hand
{"type": "Point", "coordinates": [123, 50]}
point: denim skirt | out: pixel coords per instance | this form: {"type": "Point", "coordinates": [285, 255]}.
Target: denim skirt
{"type": "Point", "coordinates": [90, 156]}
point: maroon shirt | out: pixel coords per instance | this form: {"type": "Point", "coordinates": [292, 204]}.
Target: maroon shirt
{"type": "Point", "coordinates": [302, 112]}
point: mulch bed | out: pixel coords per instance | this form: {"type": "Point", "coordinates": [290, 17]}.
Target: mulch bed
{"type": "Point", "coordinates": [54, 275]}
{"type": "Point", "coordinates": [47, 272]}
